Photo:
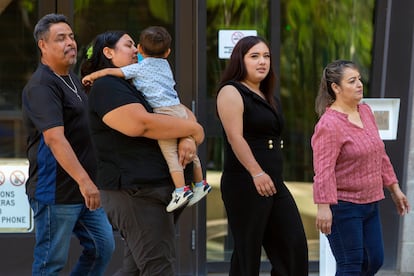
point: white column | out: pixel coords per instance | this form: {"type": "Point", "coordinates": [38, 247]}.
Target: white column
{"type": "Point", "coordinates": [327, 263]}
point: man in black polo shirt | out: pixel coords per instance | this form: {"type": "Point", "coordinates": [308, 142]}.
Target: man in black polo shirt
{"type": "Point", "coordinates": [60, 187]}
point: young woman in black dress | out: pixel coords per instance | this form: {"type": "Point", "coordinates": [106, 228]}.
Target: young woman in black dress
{"type": "Point", "coordinates": [260, 209]}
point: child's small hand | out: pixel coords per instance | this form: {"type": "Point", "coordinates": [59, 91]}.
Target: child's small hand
{"type": "Point", "coordinates": [87, 80]}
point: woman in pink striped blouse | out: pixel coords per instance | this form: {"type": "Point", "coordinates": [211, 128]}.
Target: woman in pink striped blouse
{"type": "Point", "coordinates": [351, 168]}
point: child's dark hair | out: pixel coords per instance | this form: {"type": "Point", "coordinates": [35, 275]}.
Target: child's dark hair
{"type": "Point", "coordinates": [155, 41]}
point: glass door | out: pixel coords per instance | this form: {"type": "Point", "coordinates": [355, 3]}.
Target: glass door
{"type": "Point", "coordinates": [18, 59]}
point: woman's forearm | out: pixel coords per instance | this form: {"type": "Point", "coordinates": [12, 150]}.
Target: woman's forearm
{"type": "Point", "coordinates": [167, 127]}
{"type": "Point", "coordinates": [133, 120]}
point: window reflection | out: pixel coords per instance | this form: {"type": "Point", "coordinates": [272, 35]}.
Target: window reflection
{"type": "Point", "coordinates": [96, 16]}
{"type": "Point", "coordinates": [313, 34]}
{"type": "Point", "coordinates": [18, 59]}
{"type": "Point", "coordinates": [223, 15]}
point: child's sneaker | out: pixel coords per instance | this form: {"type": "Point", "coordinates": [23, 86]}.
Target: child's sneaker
{"type": "Point", "coordinates": [199, 193]}
{"type": "Point", "coordinates": [179, 199]}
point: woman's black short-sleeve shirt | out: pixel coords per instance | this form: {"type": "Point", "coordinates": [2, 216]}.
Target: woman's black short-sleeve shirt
{"type": "Point", "coordinates": [123, 161]}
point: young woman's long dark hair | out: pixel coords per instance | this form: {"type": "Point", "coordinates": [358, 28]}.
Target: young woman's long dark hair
{"type": "Point", "coordinates": [97, 60]}
{"type": "Point", "coordinates": [236, 69]}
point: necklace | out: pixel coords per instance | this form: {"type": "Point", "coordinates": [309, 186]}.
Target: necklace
{"type": "Point", "coordinates": [74, 90]}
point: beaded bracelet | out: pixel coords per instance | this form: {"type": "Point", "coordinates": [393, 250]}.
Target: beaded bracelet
{"type": "Point", "coordinates": [259, 174]}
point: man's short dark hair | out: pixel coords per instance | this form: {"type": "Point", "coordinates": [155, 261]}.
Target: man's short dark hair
{"type": "Point", "coordinates": [42, 28]}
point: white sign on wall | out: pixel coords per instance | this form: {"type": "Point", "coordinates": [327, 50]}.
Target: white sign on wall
{"type": "Point", "coordinates": [15, 211]}
{"type": "Point", "coordinates": [227, 39]}
{"type": "Point", "coordinates": [386, 112]}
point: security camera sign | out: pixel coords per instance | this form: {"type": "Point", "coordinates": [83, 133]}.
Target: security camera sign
{"type": "Point", "coordinates": [227, 39]}
{"type": "Point", "coordinates": [15, 212]}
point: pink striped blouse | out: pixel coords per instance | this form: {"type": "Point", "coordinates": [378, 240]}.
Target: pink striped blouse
{"type": "Point", "coordinates": [350, 163]}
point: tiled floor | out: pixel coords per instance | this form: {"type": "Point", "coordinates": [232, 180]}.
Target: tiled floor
{"type": "Point", "coordinates": [380, 273]}
{"type": "Point", "coordinates": [262, 274]}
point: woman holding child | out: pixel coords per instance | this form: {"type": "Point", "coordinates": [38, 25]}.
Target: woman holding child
{"type": "Point", "coordinates": [133, 176]}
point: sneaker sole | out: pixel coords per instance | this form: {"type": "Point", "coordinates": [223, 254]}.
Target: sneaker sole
{"type": "Point", "coordinates": [181, 204]}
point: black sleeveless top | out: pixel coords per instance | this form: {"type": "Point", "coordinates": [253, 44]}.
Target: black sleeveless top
{"type": "Point", "coordinates": [262, 128]}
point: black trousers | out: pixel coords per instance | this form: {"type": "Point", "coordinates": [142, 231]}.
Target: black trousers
{"type": "Point", "coordinates": [272, 222]}
{"type": "Point", "coordinates": [147, 228]}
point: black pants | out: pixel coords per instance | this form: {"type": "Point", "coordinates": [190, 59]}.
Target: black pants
{"type": "Point", "coordinates": [272, 222]}
{"type": "Point", "coordinates": [148, 229]}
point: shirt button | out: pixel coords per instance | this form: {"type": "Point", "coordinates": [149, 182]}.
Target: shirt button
{"type": "Point", "coordinates": [270, 143]}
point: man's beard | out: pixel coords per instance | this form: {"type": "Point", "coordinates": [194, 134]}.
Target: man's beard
{"type": "Point", "coordinates": [72, 61]}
